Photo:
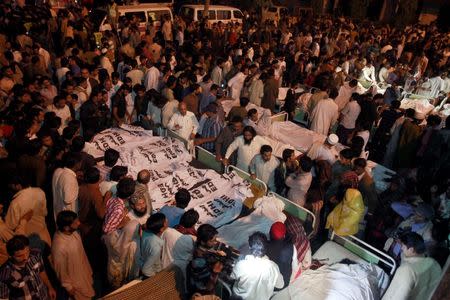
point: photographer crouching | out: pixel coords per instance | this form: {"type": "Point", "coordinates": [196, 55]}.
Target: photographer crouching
{"type": "Point", "coordinates": [210, 261]}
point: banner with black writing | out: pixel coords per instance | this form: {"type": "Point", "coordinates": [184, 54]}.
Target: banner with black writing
{"type": "Point", "coordinates": [162, 191]}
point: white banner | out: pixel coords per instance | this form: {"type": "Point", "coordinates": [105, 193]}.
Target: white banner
{"type": "Point", "coordinates": [163, 190]}
{"type": "Point", "coordinates": [120, 139]}
{"type": "Point", "coordinates": [221, 210]}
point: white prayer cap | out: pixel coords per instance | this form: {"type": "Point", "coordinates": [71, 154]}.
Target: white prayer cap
{"type": "Point", "coordinates": [338, 69]}
{"type": "Point", "coordinates": [332, 139]}
{"type": "Point", "coordinates": [104, 50]}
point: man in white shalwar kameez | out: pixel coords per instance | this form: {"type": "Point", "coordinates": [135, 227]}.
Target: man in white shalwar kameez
{"type": "Point", "coordinates": [237, 83]}
{"type": "Point", "coordinates": [248, 145]}
{"type": "Point", "coordinates": [151, 78]}
{"type": "Point", "coordinates": [25, 200]}
{"type": "Point", "coordinates": [69, 259]}
{"type": "Point", "coordinates": [324, 115]}
{"type": "Point", "coordinates": [345, 93]}
{"type": "Point", "coordinates": [184, 122]}
{"type": "Point", "coordinates": [256, 276]}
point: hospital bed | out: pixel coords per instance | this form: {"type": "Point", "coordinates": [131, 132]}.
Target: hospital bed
{"type": "Point", "coordinates": [350, 247]}
{"type": "Point", "coordinates": [187, 143]}
{"type": "Point", "coordinates": [246, 176]}
{"type": "Point", "coordinates": [304, 138]}
{"type": "Point", "coordinates": [301, 116]}
{"type": "Point", "coordinates": [306, 216]}
{"type": "Point", "coordinates": [279, 117]}
{"type": "Point", "coordinates": [208, 159]}
{"type": "Point", "coordinates": [366, 278]}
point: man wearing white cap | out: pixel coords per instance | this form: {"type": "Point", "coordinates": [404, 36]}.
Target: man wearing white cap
{"type": "Point", "coordinates": [325, 151]}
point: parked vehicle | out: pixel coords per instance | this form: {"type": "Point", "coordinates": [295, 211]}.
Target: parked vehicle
{"type": "Point", "coordinates": [143, 12]}
{"type": "Point", "coordinates": [224, 14]}
{"type": "Point", "coordinates": [274, 13]}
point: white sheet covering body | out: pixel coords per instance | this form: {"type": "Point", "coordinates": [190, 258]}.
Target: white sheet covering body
{"type": "Point", "coordinates": [217, 198]}
{"type": "Point", "coordinates": [228, 104]}
{"type": "Point", "coordinates": [338, 282]}
{"type": "Point", "coordinates": [268, 210]}
{"type": "Point", "coordinates": [300, 138]}
{"type": "Point", "coordinates": [422, 106]}
{"type": "Point", "coordinates": [288, 134]}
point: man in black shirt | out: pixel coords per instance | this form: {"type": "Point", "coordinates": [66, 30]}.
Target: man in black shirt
{"type": "Point", "coordinates": [119, 105]}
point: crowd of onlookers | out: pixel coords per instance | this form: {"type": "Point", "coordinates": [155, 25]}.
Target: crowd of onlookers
{"type": "Point", "coordinates": [75, 225]}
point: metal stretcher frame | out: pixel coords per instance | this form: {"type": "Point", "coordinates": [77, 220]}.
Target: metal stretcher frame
{"type": "Point", "coordinates": [188, 144]}
{"type": "Point", "coordinates": [246, 176]}
{"type": "Point", "coordinates": [296, 210]}
{"type": "Point", "coordinates": [208, 159]}
{"type": "Point", "coordinates": [279, 117]}
{"type": "Point", "coordinates": [301, 116]}
{"type": "Point", "coordinates": [364, 250]}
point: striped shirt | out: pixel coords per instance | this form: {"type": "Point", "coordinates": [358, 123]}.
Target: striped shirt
{"type": "Point", "coordinates": [211, 128]}
{"type": "Point", "coordinates": [115, 212]}
{"type": "Point", "coordinates": [23, 283]}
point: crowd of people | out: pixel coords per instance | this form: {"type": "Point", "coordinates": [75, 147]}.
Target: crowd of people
{"type": "Point", "coordinates": [75, 225]}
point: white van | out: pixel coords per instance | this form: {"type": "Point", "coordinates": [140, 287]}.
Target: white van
{"type": "Point", "coordinates": [224, 14]}
{"type": "Point", "coordinates": [144, 13]}
{"type": "Point", "coordinates": [274, 13]}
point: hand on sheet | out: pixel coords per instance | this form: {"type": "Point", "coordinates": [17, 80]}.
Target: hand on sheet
{"type": "Point", "coordinates": [225, 162]}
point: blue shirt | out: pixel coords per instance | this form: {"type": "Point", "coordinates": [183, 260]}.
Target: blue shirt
{"type": "Point", "coordinates": [211, 128]}
{"type": "Point", "coordinates": [149, 254]}
{"type": "Point", "coordinates": [173, 214]}
{"type": "Point", "coordinates": [205, 101]}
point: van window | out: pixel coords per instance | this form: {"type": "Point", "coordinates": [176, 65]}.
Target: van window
{"type": "Point", "coordinates": [211, 15]}
{"type": "Point", "coordinates": [139, 14]}
{"type": "Point", "coordinates": [188, 12]}
{"type": "Point", "coordinates": [158, 15]}
{"type": "Point", "coordinates": [223, 15]}
{"type": "Point", "coordinates": [237, 14]}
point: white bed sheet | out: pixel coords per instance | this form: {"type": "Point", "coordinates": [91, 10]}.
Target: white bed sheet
{"type": "Point", "coordinates": [338, 282]}
{"type": "Point", "coordinates": [228, 104]}
{"type": "Point", "coordinates": [219, 198]}
{"type": "Point", "coordinates": [331, 252]}
{"type": "Point", "coordinates": [291, 134]}
{"type": "Point", "coordinates": [268, 210]}
{"type": "Point", "coordinates": [422, 106]}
